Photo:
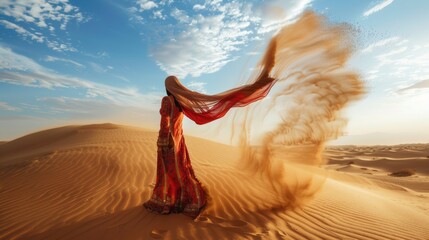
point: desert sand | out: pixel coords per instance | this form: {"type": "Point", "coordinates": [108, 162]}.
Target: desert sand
{"type": "Point", "coordinates": [89, 182]}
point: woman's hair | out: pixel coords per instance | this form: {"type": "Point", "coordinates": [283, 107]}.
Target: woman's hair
{"type": "Point", "coordinates": [175, 101]}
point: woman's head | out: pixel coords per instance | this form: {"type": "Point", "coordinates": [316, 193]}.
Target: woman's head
{"type": "Point", "coordinates": [172, 85]}
{"type": "Point", "coordinates": [171, 82]}
{"type": "Point", "coordinates": [175, 88]}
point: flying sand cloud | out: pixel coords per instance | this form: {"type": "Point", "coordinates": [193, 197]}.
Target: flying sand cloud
{"type": "Point", "coordinates": [303, 109]}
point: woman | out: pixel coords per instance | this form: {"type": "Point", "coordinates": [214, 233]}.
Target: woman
{"type": "Point", "coordinates": [176, 188]}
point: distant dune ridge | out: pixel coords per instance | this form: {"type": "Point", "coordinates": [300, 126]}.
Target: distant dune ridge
{"type": "Point", "coordinates": [88, 182]}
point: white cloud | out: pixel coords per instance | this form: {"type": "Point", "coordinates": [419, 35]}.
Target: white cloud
{"type": "Point", "coordinates": [180, 15]}
{"type": "Point", "coordinates": [44, 16]}
{"type": "Point", "coordinates": [198, 7]}
{"type": "Point", "coordinates": [204, 48]}
{"type": "Point", "coordinates": [277, 13]}
{"type": "Point", "coordinates": [377, 7]}
{"type": "Point", "coordinates": [201, 42]}
{"type": "Point", "coordinates": [7, 107]}
{"type": "Point", "coordinates": [55, 59]}
{"type": "Point", "coordinates": [146, 5]}
{"type": "Point", "coordinates": [207, 42]}
{"type": "Point", "coordinates": [158, 14]}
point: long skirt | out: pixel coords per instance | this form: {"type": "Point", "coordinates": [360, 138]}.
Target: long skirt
{"type": "Point", "coordinates": [176, 190]}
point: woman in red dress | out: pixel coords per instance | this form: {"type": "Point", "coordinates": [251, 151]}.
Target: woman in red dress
{"type": "Point", "coordinates": [176, 188]}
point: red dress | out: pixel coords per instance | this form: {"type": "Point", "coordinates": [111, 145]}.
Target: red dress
{"type": "Point", "coordinates": [176, 188]}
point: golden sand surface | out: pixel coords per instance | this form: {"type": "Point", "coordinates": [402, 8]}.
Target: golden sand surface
{"type": "Point", "coordinates": [89, 182]}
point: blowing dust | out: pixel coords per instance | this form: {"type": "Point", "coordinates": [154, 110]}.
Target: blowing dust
{"type": "Point", "coordinates": [283, 136]}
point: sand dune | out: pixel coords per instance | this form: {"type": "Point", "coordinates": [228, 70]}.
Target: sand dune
{"type": "Point", "coordinates": [88, 182]}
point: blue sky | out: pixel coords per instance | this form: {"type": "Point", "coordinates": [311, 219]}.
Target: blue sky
{"type": "Point", "coordinates": [76, 62]}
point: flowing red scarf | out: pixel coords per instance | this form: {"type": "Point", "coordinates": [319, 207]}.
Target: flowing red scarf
{"type": "Point", "coordinates": [202, 108]}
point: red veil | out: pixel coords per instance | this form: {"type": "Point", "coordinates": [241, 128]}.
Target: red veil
{"type": "Point", "coordinates": [202, 108]}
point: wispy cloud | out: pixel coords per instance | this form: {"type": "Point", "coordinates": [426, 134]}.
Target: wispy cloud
{"type": "Point", "coordinates": [377, 7]}
{"type": "Point", "coordinates": [20, 70]}
{"type": "Point", "coordinates": [380, 43]}
{"type": "Point", "coordinates": [197, 86]}
{"type": "Point", "coordinates": [38, 37]}
{"type": "Point", "coordinates": [418, 85]}
{"type": "Point", "coordinates": [7, 107]}
{"type": "Point", "coordinates": [56, 59]}
{"type": "Point", "coordinates": [30, 106]}
{"type": "Point", "coordinates": [98, 68]}
{"type": "Point", "coordinates": [22, 31]}
{"type": "Point", "coordinates": [14, 61]}
{"type": "Point", "coordinates": [122, 78]}
{"type": "Point", "coordinates": [399, 66]}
